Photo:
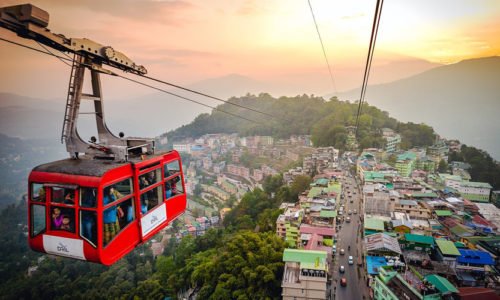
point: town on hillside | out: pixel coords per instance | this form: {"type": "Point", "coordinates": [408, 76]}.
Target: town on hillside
{"type": "Point", "coordinates": [375, 224]}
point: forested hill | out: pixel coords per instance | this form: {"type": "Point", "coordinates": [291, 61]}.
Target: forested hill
{"type": "Point", "coordinates": [324, 120]}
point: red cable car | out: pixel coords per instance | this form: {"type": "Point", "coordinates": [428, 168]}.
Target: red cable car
{"type": "Point", "coordinates": [99, 206]}
{"type": "Point", "coordinates": [99, 211]}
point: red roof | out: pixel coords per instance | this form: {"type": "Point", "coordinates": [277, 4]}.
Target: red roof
{"type": "Point", "coordinates": [481, 221]}
{"type": "Point", "coordinates": [473, 293]}
{"type": "Point", "coordinates": [328, 231]}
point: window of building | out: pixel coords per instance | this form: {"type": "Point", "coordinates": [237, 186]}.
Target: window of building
{"type": "Point", "coordinates": [38, 192]}
{"type": "Point", "coordinates": [38, 224]}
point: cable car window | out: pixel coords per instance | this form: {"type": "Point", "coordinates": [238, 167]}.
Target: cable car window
{"type": "Point", "coordinates": [88, 226]}
{"type": "Point", "coordinates": [37, 219]}
{"type": "Point", "coordinates": [62, 218]}
{"type": "Point", "coordinates": [119, 190]}
{"type": "Point", "coordinates": [63, 195]}
{"type": "Point", "coordinates": [111, 225]}
{"type": "Point", "coordinates": [88, 197]}
{"type": "Point", "coordinates": [173, 187]}
{"type": "Point", "coordinates": [127, 207]}
{"type": "Point", "coordinates": [149, 178]}
{"type": "Point", "coordinates": [37, 192]}
{"type": "Point", "coordinates": [151, 198]}
{"type": "Point", "coordinates": [172, 168]}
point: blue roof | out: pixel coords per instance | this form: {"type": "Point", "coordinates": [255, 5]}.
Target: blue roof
{"type": "Point", "coordinates": [373, 263]}
{"type": "Point", "coordinates": [475, 257]}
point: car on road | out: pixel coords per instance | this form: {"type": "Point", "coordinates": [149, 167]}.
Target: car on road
{"type": "Point", "coordinates": [343, 281]}
{"type": "Point", "coordinates": [334, 248]}
{"type": "Point", "coordinates": [342, 269]}
{"type": "Point", "coordinates": [351, 201]}
{"type": "Point", "coordinates": [348, 220]}
{"type": "Point", "coordinates": [354, 211]}
{"type": "Point", "coordinates": [349, 212]}
{"type": "Point", "coordinates": [350, 260]}
{"type": "Point", "coordinates": [342, 251]}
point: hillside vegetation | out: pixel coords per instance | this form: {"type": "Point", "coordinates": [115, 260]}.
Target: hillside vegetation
{"type": "Point", "coordinates": [324, 120]}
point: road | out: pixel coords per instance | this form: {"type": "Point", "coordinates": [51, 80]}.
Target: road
{"type": "Point", "coordinates": [349, 235]}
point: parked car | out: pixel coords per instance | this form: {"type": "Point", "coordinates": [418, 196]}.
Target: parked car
{"type": "Point", "coordinates": [334, 248]}
{"type": "Point", "coordinates": [350, 260]}
{"type": "Point", "coordinates": [355, 212]}
{"type": "Point", "coordinates": [342, 269]}
{"type": "Point", "coordinates": [343, 281]}
{"type": "Point", "coordinates": [342, 251]}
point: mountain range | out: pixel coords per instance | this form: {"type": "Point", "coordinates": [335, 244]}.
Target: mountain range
{"type": "Point", "coordinates": [460, 101]}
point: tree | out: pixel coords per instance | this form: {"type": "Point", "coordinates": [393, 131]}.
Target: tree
{"type": "Point", "coordinates": [443, 166]}
{"type": "Point", "coordinates": [271, 184]}
{"type": "Point", "coordinates": [300, 184]}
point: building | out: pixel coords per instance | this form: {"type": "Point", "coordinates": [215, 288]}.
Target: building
{"type": "Point", "coordinates": [389, 285]}
{"type": "Point", "coordinates": [447, 252]}
{"type": "Point", "coordinates": [392, 143]}
{"type": "Point", "coordinates": [305, 274]}
{"type": "Point", "coordinates": [182, 147]}
{"type": "Point", "coordinates": [413, 209]}
{"type": "Point", "coordinates": [475, 191]}
{"type": "Point", "coordinates": [373, 225]}
{"type": "Point", "coordinates": [418, 242]}
{"type": "Point", "coordinates": [405, 163]}
{"type": "Point", "coordinates": [378, 200]}
{"type": "Point", "coordinates": [238, 170]}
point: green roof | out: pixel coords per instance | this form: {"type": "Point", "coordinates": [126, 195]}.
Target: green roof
{"type": "Point", "coordinates": [443, 213]}
{"type": "Point", "coordinates": [333, 187]}
{"type": "Point", "coordinates": [321, 181]}
{"type": "Point", "coordinates": [314, 191]}
{"type": "Point", "coordinates": [460, 230]}
{"type": "Point", "coordinates": [476, 184]}
{"type": "Point", "coordinates": [424, 195]}
{"type": "Point", "coordinates": [460, 245]}
{"type": "Point", "coordinates": [328, 214]}
{"type": "Point", "coordinates": [407, 155]}
{"type": "Point", "coordinates": [421, 239]}
{"type": "Point", "coordinates": [375, 224]}
{"type": "Point", "coordinates": [308, 259]}
{"type": "Point", "coordinates": [447, 247]}
{"type": "Point", "coordinates": [442, 284]}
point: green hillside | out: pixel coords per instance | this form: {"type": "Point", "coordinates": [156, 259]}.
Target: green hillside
{"type": "Point", "coordinates": [324, 120]}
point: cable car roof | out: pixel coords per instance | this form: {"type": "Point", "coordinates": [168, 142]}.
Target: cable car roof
{"type": "Point", "coordinates": [87, 166]}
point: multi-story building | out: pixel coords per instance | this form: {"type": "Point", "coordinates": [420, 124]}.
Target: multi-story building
{"type": "Point", "coordinates": [438, 151]}
{"type": "Point", "coordinates": [238, 170]}
{"type": "Point", "coordinates": [305, 274]}
{"type": "Point", "coordinates": [379, 201]}
{"type": "Point", "coordinates": [393, 140]}
{"type": "Point", "coordinates": [413, 209]}
{"type": "Point", "coordinates": [475, 191]}
{"type": "Point", "coordinates": [405, 163]}
{"type": "Point", "coordinates": [182, 147]}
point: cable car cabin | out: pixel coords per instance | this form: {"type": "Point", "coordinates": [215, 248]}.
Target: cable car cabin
{"type": "Point", "coordinates": [101, 210]}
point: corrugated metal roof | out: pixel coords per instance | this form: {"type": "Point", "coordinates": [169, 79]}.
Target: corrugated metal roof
{"type": "Point", "coordinates": [442, 284]}
{"type": "Point", "coordinates": [447, 247]}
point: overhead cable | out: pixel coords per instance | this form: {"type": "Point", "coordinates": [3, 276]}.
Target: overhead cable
{"type": "Point", "coordinates": [371, 50]}
{"type": "Point", "coordinates": [63, 59]}
{"type": "Point", "coordinates": [323, 48]}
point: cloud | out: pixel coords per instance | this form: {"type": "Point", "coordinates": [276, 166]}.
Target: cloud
{"type": "Point", "coordinates": [165, 11]}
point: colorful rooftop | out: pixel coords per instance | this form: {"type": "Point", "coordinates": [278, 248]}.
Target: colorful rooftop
{"type": "Point", "coordinates": [447, 247]}
{"type": "Point", "coordinates": [442, 284]}
{"type": "Point", "coordinates": [421, 239]}
{"type": "Point", "coordinates": [308, 259]}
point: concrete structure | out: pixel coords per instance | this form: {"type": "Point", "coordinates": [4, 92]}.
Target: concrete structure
{"type": "Point", "coordinates": [406, 163]}
{"type": "Point", "coordinates": [378, 200]}
{"type": "Point", "coordinates": [475, 191]}
{"type": "Point", "coordinates": [413, 209]}
{"type": "Point", "coordinates": [389, 285]}
{"type": "Point", "coordinates": [305, 274]}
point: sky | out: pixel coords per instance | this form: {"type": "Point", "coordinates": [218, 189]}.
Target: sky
{"type": "Point", "coordinates": [271, 41]}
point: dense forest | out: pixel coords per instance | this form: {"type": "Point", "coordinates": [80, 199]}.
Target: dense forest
{"type": "Point", "coordinates": [483, 167]}
{"type": "Point", "coordinates": [242, 260]}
